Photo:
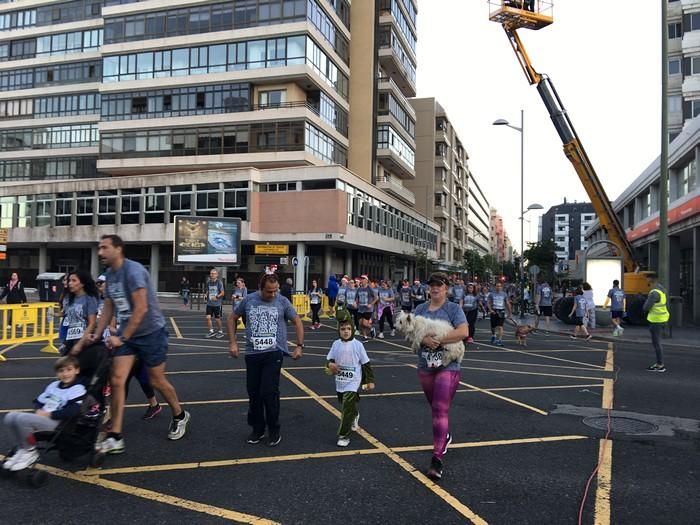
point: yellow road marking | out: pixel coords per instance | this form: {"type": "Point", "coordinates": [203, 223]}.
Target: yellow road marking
{"type": "Point", "coordinates": [604, 479]}
{"type": "Point", "coordinates": [138, 492]}
{"type": "Point", "coordinates": [318, 455]}
{"type": "Point", "coordinates": [176, 328]}
{"type": "Point", "coordinates": [422, 478]}
{"type": "Point", "coordinates": [531, 373]}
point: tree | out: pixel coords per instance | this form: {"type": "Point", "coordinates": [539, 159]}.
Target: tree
{"type": "Point", "coordinates": [423, 264]}
{"type": "Point", "coordinates": [474, 264]}
{"type": "Point", "coordinates": [542, 254]}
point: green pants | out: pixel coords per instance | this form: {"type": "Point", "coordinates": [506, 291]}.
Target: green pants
{"type": "Point", "coordinates": [349, 410]}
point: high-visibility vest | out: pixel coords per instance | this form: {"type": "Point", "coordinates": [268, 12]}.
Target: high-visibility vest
{"type": "Point", "coordinates": [658, 312]}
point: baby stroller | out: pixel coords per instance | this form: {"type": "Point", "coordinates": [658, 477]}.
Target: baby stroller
{"type": "Point", "coordinates": [76, 437]}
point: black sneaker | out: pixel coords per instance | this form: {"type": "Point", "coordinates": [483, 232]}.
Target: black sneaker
{"type": "Point", "coordinates": [152, 411]}
{"type": "Point", "coordinates": [447, 443]}
{"type": "Point", "coordinates": [434, 472]}
{"type": "Point", "coordinates": [274, 439]}
{"type": "Point", "coordinates": [656, 368]}
{"type": "Point", "coordinates": [254, 437]}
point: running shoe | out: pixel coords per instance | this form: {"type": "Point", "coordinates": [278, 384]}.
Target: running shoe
{"type": "Point", "coordinates": [434, 472]}
{"type": "Point", "coordinates": [343, 441]}
{"type": "Point", "coordinates": [9, 461]}
{"type": "Point", "coordinates": [447, 443]}
{"type": "Point", "coordinates": [393, 333]}
{"type": "Point", "coordinates": [615, 332]}
{"type": "Point", "coordinates": [219, 334]}
{"type": "Point", "coordinates": [381, 335]}
{"type": "Point", "coordinates": [355, 423]}
{"type": "Point", "coordinates": [112, 446]}
{"type": "Point", "coordinates": [620, 330]}
{"type": "Point", "coordinates": [493, 339]}
{"type": "Point", "coordinates": [499, 342]}
{"type": "Point", "coordinates": [656, 368]}
{"type": "Point", "coordinates": [312, 327]}
{"type": "Point", "coordinates": [152, 411]}
{"type": "Point", "coordinates": [24, 458]}
{"type": "Point", "coordinates": [211, 334]}
{"type": "Point", "coordinates": [178, 427]}
{"type": "Point", "coordinates": [274, 439]}
{"type": "Point", "coordinates": [254, 437]}
{"type": "Point", "coordinates": [589, 337]}
{"type": "Point", "coordinates": [365, 339]}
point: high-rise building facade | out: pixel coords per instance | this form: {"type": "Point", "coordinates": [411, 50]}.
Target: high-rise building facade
{"type": "Point", "coordinates": [445, 188]}
{"type": "Point", "coordinates": [565, 225]}
{"type": "Point", "coordinates": [130, 96]}
{"type": "Point", "coordinates": [501, 247]}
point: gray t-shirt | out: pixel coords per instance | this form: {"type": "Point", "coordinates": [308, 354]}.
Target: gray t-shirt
{"type": "Point", "coordinates": [75, 315]}
{"type": "Point", "coordinates": [266, 322]}
{"type": "Point", "coordinates": [545, 294]}
{"type": "Point", "coordinates": [214, 288]}
{"type": "Point", "coordinates": [617, 299]}
{"type": "Point", "coordinates": [384, 294]}
{"type": "Point", "coordinates": [364, 297]}
{"type": "Point", "coordinates": [239, 294]}
{"type": "Point", "coordinates": [405, 293]}
{"type": "Point", "coordinates": [120, 285]}
{"type": "Point", "coordinates": [351, 297]}
{"type": "Point", "coordinates": [497, 300]}
{"type": "Point", "coordinates": [471, 302]}
{"type": "Point", "coordinates": [453, 314]}
{"type": "Point", "coordinates": [340, 298]}
{"type": "Point", "coordinates": [457, 293]}
{"type": "Point", "coordinates": [581, 305]}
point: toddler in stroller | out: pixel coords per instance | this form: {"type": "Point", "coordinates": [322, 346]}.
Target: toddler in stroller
{"type": "Point", "coordinates": [67, 416]}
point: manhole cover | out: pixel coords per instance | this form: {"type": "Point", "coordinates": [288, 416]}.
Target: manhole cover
{"type": "Point", "coordinates": [621, 425]}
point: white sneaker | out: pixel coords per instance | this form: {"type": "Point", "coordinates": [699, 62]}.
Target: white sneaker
{"type": "Point", "coordinates": [9, 461]}
{"type": "Point", "coordinates": [381, 335]}
{"type": "Point", "coordinates": [24, 458]}
{"type": "Point", "coordinates": [112, 446]}
{"type": "Point", "coordinates": [355, 423]}
{"type": "Point", "coordinates": [343, 442]}
{"type": "Point", "coordinates": [178, 427]}
{"type": "Point", "coordinates": [620, 330]}
{"type": "Point", "coordinates": [393, 333]}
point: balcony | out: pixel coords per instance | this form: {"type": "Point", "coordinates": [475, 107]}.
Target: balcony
{"type": "Point", "coordinates": [691, 86]}
{"type": "Point", "coordinates": [388, 84]}
{"type": "Point", "coordinates": [395, 163]}
{"type": "Point", "coordinates": [394, 187]}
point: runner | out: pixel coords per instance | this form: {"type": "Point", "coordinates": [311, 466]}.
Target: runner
{"type": "Point", "coordinates": [141, 333]}
{"type": "Point", "coordinates": [405, 296]}
{"type": "Point", "coordinates": [616, 299]}
{"type": "Point", "coordinates": [384, 312]}
{"type": "Point", "coordinates": [79, 312]}
{"type": "Point", "coordinates": [215, 292]}
{"type": "Point", "coordinates": [483, 301]}
{"type": "Point", "coordinates": [185, 291]}
{"type": "Point", "coordinates": [439, 382]}
{"type": "Point", "coordinates": [470, 307]}
{"type": "Point", "coordinates": [579, 308]}
{"type": "Point", "coordinates": [543, 304]}
{"type": "Point", "coordinates": [418, 293]}
{"type": "Point", "coordinates": [239, 292]}
{"type": "Point", "coordinates": [499, 307]}
{"type": "Point", "coordinates": [351, 299]}
{"type": "Point", "coordinates": [267, 313]}
{"type": "Point", "coordinates": [366, 299]}
{"type": "Point", "coordinates": [457, 292]}
{"type": "Point", "coordinates": [315, 297]}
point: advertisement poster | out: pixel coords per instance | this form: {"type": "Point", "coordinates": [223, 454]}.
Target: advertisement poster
{"type": "Point", "coordinates": [207, 240]}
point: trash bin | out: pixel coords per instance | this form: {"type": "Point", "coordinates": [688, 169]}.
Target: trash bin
{"type": "Point", "coordinates": [675, 308]}
{"type": "Point", "coordinates": [50, 285]}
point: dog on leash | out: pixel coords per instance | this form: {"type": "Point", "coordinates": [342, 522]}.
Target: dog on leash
{"type": "Point", "coordinates": [521, 333]}
{"type": "Point", "coordinates": [415, 328]}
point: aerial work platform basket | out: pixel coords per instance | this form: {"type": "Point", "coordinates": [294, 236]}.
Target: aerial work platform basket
{"type": "Point", "coordinates": [526, 14]}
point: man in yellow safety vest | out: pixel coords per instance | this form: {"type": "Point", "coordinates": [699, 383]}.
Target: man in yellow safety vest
{"type": "Point", "coordinates": [657, 315]}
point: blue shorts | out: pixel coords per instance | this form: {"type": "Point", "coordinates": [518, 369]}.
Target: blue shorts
{"type": "Point", "coordinates": [617, 314]}
{"type": "Point", "coordinates": [151, 349]}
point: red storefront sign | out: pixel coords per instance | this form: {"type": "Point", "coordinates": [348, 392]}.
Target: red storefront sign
{"type": "Point", "coordinates": [677, 214]}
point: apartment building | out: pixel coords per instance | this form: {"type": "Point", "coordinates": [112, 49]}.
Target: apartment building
{"type": "Point", "coordinates": [130, 96]}
{"type": "Point", "coordinates": [446, 190]}
{"type": "Point", "coordinates": [566, 224]}
{"type": "Point", "coordinates": [638, 210]}
{"type": "Point", "coordinates": [501, 247]}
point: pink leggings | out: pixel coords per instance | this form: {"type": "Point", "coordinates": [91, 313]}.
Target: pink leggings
{"type": "Point", "coordinates": [439, 388]}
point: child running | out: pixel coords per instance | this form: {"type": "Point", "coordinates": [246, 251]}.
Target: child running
{"type": "Point", "coordinates": [59, 401]}
{"type": "Point", "coordinates": [348, 362]}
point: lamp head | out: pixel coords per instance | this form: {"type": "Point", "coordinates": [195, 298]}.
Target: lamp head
{"type": "Point", "coordinates": [501, 122]}
{"type": "Point", "coordinates": [535, 207]}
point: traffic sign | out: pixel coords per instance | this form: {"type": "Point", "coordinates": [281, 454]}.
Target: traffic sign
{"type": "Point", "coordinates": [295, 261]}
{"type": "Point", "coordinates": [534, 269]}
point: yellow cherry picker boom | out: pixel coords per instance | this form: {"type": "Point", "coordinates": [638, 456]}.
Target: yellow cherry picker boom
{"type": "Point", "coordinates": [535, 15]}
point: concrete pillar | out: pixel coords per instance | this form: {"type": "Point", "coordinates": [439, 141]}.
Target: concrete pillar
{"type": "Point", "coordinates": [348, 262]}
{"type": "Point", "coordinates": [94, 262]}
{"type": "Point", "coordinates": [155, 264]}
{"type": "Point", "coordinates": [43, 259]}
{"type": "Point", "coordinates": [696, 275]}
{"type": "Point", "coordinates": [674, 265]}
{"type": "Point", "coordinates": [327, 252]}
{"type": "Point", "coordinates": [300, 270]}
{"type": "Point", "coordinates": [653, 251]}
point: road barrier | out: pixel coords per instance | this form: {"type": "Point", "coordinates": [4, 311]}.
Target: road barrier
{"type": "Point", "coordinates": [326, 309]}
{"type": "Point", "coordinates": [28, 323]}
{"type": "Point", "coordinates": [301, 304]}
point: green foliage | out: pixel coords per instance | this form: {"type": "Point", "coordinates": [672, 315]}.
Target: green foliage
{"type": "Point", "coordinates": [542, 254]}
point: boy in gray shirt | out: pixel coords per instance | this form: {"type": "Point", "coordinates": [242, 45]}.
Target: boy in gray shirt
{"type": "Point", "coordinates": [215, 293]}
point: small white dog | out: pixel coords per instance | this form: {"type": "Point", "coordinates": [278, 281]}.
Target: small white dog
{"type": "Point", "coordinates": [415, 328]}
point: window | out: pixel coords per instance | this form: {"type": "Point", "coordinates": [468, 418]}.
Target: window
{"type": "Point", "coordinates": [695, 108]}
{"type": "Point", "coordinates": [106, 207]}
{"type": "Point", "coordinates": [85, 204]}
{"type": "Point", "coordinates": [675, 30]}
{"type": "Point", "coordinates": [272, 98]}
{"type": "Point", "coordinates": [139, 105]}
{"type": "Point", "coordinates": [154, 205]}
{"type": "Point", "coordinates": [693, 21]}
{"type": "Point", "coordinates": [675, 104]}
{"type": "Point", "coordinates": [674, 66]}
{"type": "Point", "coordinates": [64, 209]}
{"type": "Point", "coordinates": [695, 66]}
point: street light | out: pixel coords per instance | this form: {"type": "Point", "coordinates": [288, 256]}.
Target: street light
{"type": "Point", "coordinates": [521, 130]}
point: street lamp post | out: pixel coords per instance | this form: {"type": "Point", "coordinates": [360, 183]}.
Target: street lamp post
{"type": "Point", "coordinates": [521, 130]}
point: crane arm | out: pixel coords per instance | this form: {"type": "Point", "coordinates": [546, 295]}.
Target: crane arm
{"type": "Point", "coordinates": [575, 152]}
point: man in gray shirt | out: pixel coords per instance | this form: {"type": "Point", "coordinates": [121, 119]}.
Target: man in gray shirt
{"type": "Point", "coordinates": [131, 298]}
{"type": "Point", "coordinates": [215, 293]}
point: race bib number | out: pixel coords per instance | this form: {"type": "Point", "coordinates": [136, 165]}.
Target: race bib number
{"type": "Point", "coordinates": [345, 374]}
{"type": "Point", "coordinates": [212, 296]}
{"type": "Point", "coordinates": [433, 359]}
{"type": "Point", "coordinates": [74, 332]}
{"type": "Point", "coordinates": [314, 299]}
{"type": "Point", "coordinates": [263, 343]}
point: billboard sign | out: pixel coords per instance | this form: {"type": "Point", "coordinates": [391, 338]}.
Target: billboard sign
{"type": "Point", "coordinates": [207, 241]}
{"type": "Point", "coordinates": [600, 273]}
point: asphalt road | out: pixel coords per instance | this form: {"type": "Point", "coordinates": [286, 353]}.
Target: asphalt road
{"type": "Point", "coordinates": [521, 452]}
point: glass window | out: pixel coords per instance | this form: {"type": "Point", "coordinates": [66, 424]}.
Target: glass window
{"type": "Point", "coordinates": [674, 66]}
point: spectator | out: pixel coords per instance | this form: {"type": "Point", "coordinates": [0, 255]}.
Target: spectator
{"type": "Point", "coordinates": [332, 290]}
{"type": "Point", "coordinates": [286, 289]}
{"type": "Point", "coordinates": [657, 316]}
{"type": "Point", "coordinates": [14, 291]}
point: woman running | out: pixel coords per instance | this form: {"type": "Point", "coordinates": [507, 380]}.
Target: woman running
{"type": "Point", "coordinates": [470, 305]}
{"type": "Point", "coordinates": [79, 311]}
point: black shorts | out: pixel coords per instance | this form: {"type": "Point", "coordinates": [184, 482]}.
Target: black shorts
{"type": "Point", "coordinates": [214, 311]}
{"type": "Point", "coordinates": [617, 314]}
{"type": "Point", "coordinates": [546, 311]}
{"type": "Point", "coordinates": [364, 315]}
{"type": "Point", "coordinates": [497, 319]}
{"type": "Point", "coordinates": [578, 320]}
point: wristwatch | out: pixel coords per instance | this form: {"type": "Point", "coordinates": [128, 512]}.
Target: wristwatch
{"type": "Point", "coordinates": [301, 345]}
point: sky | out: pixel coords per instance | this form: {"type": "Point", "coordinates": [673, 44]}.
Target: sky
{"type": "Point", "coordinates": [604, 59]}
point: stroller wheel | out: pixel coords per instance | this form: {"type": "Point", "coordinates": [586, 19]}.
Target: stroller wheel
{"type": "Point", "coordinates": [37, 478]}
{"type": "Point", "coordinates": [97, 459]}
